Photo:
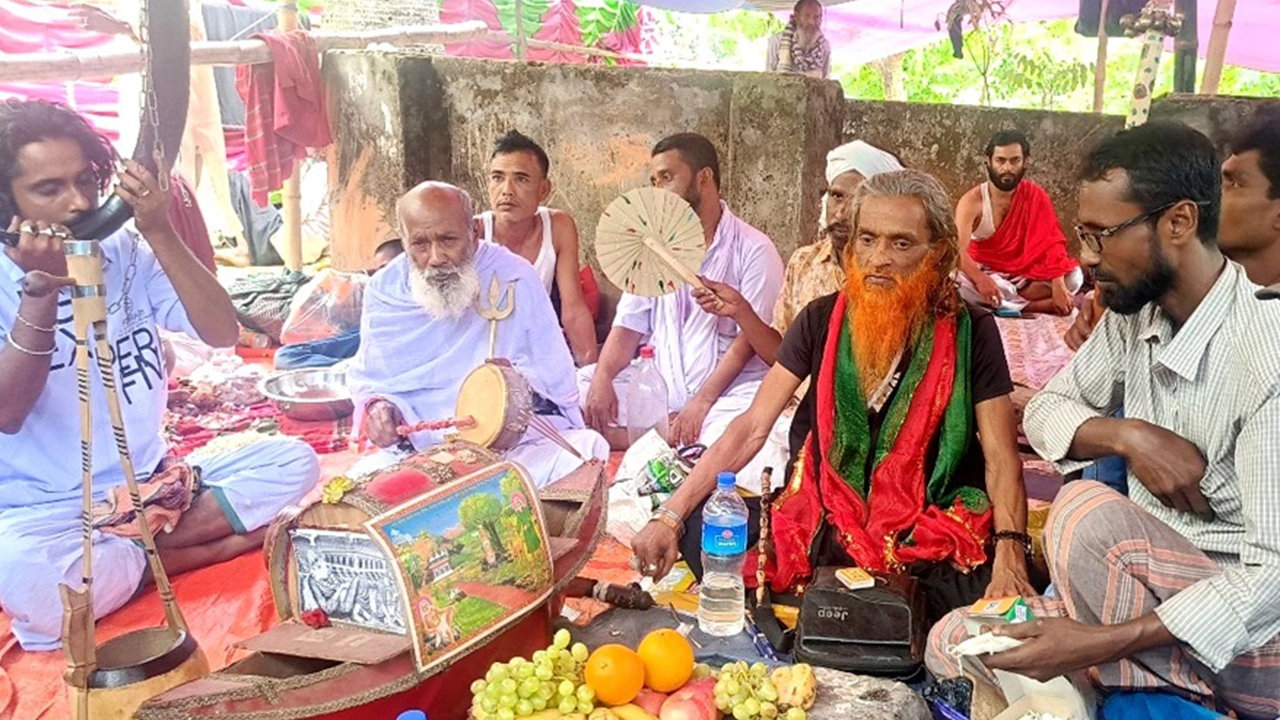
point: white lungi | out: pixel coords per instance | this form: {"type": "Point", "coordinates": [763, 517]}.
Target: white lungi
{"type": "Point", "coordinates": [43, 543]}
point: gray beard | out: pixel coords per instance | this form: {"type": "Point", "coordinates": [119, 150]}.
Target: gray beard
{"type": "Point", "coordinates": [445, 292]}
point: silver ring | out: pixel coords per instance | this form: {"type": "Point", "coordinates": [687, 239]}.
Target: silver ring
{"type": "Point", "coordinates": [650, 568]}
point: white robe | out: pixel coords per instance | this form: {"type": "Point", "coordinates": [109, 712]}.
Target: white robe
{"type": "Point", "coordinates": [689, 343]}
{"type": "Point", "coordinates": [418, 362]}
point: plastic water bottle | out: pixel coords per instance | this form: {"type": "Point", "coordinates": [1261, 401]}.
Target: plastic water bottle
{"type": "Point", "coordinates": [646, 399]}
{"type": "Point", "coordinates": [724, 546]}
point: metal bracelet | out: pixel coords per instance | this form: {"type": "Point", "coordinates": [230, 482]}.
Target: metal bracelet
{"type": "Point", "coordinates": [28, 351]}
{"type": "Point", "coordinates": [670, 518]}
{"type": "Point", "coordinates": [35, 327]}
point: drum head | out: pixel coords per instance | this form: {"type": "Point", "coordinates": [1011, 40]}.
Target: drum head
{"type": "Point", "coordinates": [483, 397]}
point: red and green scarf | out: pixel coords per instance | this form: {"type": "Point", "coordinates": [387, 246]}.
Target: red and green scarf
{"type": "Point", "coordinates": [903, 512]}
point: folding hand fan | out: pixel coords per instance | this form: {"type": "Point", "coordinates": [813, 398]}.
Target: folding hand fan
{"type": "Point", "coordinates": [648, 241]}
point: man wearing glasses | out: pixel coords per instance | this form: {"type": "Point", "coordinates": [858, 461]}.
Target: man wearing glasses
{"type": "Point", "coordinates": [1249, 234]}
{"type": "Point", "coordinates": [1173, 588]}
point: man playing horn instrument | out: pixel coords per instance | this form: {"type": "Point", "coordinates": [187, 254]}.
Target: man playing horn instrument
{"type": "Point", "coordinates": [53, 168]}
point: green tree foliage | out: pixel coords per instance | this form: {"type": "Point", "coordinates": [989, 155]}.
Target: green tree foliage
{"type": "Point", "coordinates": [1041, 65]}
{"type": "Point", "coordinates": [481, 512]}
{"type": "Point", "coordinates": [733, 40]}
{"type": "Point", "coordinates": [862, 82]}
{"type": "Point", "coordinates": [413, 567]}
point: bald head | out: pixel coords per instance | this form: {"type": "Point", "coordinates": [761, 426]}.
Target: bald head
{"type": "Point", "coordinates": [435, 222]}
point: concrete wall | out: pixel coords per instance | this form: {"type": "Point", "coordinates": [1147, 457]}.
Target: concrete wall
{"type": "Point", "coordinates": [949, 141]}
{"type": "Point", "coordinates": [1218, 117]}
{"type": "Point", "coordinates": [402, 119]}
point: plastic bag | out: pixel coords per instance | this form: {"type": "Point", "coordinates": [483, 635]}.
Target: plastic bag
{"type": "Point", "coordinates": [629, 510]}
{"type": "Point", "coordinates": [262, 300]}
{"type": "Point", "coordinates": [327, 305]}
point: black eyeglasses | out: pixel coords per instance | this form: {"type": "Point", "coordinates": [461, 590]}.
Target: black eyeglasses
{"type": "Point", "coordinates": [1094, 239]}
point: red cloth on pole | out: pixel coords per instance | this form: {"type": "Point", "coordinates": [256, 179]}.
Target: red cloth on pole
{"type": "Point", "coordinates": [1029, 242]}
{"type": "Point", "coordinates": [284, 109]}
{"type": "Point", "coordinates": [188, 222]}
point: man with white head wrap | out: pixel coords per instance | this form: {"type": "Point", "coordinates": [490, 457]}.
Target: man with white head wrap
{"type": "Point", "coordinates": [813, 270]}
{"type": "Point", "coordinates": [847, 166]}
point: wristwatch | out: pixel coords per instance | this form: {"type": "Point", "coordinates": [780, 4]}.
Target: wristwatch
{"type": "Point", "coordinates": [1021, 538]}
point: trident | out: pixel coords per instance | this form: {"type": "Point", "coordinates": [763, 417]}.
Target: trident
{"type": "Point", "coordinates": [500, 308]}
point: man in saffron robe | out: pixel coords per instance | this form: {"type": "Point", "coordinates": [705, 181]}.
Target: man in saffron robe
{"type": "Point", "coordinates": [1013, 255]}
{"type": "Point", "coordinates": [421, 335]}
{"type": "Point", "coordinates": [887, 473]}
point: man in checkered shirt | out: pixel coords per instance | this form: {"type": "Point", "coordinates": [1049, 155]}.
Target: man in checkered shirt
{"type": "Point", "coordinates": [1176, 588]}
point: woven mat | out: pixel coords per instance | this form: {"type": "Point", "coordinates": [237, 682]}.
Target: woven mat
{"type": "Point", "coordinates": [1034, 347]}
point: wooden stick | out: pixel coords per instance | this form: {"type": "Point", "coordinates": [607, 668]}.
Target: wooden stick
{"type": "Point", "coordinates": [70, 65]}
{"type": "Point", "coordinates": [574, 49]}
{"type": "Point", "coordinates": [521, 37]}
{"type": "Point", "coordinates": [544, 426]}
{"type": "Point", "coordinates": [1217, 52]}
{"type": "Point", "coordinates": [762, 546]}
{"type": "Point", "coordinates": [1100, 71]}
{"type": "Point", "coordinates": [78, 635]}
{"type": "Point", "coordinates": [1148, 69]}
{"type": "Point", "coordinates": [1184, 48]}
{"type": "Point", "coordinates": [291, 193]}
{"type": "Point", "coordinates": [459, 423]}
{"type": "Point", "coordinates": [168, 601]}
{"type": "Point", "coordinates": [672, 262]}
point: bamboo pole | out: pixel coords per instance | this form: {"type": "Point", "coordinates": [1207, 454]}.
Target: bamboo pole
{"type": "Point", "coordinates": [1184, 48]}
{"type": "Point", "coordinates": [575, 49]}
{"type": "Point", "coordinates": [520, 34]}
{"type": "Point", "coordinates": [68, 65]}
{"type": "Point", "coordinates": [1100, 71]}
{"type": "Point", "coordinates": [1217, 52]}
{"type": "Point", "coordinates": [291, 194]}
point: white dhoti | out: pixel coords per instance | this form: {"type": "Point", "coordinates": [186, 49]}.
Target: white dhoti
{"type": "Point", "coordinates": [1011, 287]}
{"type": "Point", "coordinates": [724, 410]}
{"type": "Point", "coordinates": [43, 543]}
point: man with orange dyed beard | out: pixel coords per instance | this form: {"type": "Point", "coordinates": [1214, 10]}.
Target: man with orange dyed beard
{"type": "Point", "coordinates": [904, 457]}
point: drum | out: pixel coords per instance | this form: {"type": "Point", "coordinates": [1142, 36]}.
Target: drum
{"type": "Point", "coordinates": [309, 680]}
{"type": "Point", "coordinates": [499, 401]}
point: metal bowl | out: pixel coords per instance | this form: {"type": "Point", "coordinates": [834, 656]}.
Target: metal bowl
{"type": "Point", "coordinates": [309, 394]}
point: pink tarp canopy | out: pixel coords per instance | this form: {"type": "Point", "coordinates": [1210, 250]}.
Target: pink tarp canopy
{"type": "Point", "coordinates": [864, 30]}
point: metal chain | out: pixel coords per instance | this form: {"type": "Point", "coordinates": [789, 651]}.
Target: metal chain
{"type": "Point", "coordinates": [126, 287]}
{"type": "Point", "coordinates": [149, 110]}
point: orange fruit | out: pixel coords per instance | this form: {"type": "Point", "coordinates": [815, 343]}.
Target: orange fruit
{"type": "Point", "coordinates": [615, 673]}
{"type": "Point", "coordinates": [668, 660]}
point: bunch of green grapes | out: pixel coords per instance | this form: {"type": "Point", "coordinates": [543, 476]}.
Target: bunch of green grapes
{"type": "Point", "coordinates": [746, 692]}
{"type": "Point", "coordinates": [519, 688]}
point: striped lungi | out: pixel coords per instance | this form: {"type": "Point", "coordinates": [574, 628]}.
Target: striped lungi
{"type": "Point", "coordinates": [1111, 562]}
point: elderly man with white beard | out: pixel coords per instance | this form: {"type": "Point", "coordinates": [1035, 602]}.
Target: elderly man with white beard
{"type": "Point", "coordinates": [421, 334]}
